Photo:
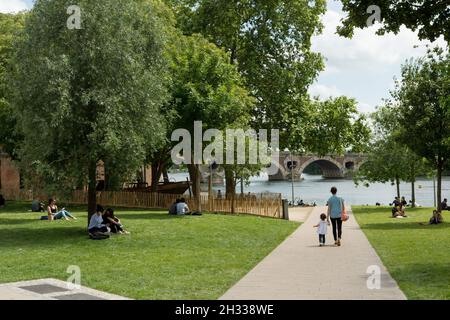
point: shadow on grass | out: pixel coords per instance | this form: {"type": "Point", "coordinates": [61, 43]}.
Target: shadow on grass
{"type": "Point", "coordinates": [13, 221]}
{"type": "Point", "coordinates": [147, 216]}
{"type": "Point", "coordinates": [42, 237]}
{"type": "Point", "coordinates": [424, 280]}
{"type": "Point", "coordinates": [403, 225]}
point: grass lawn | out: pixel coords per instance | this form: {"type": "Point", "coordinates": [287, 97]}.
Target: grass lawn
{"type": "Point", "coordinates": [165, 257]}
{"type": "Point", "coordinates": [418, 257]}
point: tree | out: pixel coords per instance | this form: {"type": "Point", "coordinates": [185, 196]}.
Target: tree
{"type": "Point", "coordinates": [429, 17]}
{"type": "Point", "coordinates": [89, 94]}
{"type": "Point", "coordinates": [270, 42]}
{"type": "Point", "coordinates": [205, 87]}
{"type": "Point", "coordinates": [389, 161]}
{"type": "Point", "coordinates": [10, 28]}
{"type": "Point", "coordinates": [388, 158]}
{"type": "Point", "coordinates": [422, 102]}
{"type": "Point", "coordinates": [334, 126]}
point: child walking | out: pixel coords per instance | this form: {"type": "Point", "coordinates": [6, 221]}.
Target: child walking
{"type": "Point", "coordinates": [322, 229]}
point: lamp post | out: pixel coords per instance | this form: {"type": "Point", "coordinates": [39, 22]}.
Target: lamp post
{"type": "Point", "coordinates": [292, 166]}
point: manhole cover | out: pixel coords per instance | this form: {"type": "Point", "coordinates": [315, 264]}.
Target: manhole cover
{"type": "Point", "coordinates": [44, 288]}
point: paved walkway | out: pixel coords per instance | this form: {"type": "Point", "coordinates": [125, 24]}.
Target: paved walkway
{"type": "Point", "coordinates": [299, 214]}
{"type": "Point", "coordinates": [299, 269]}
{"type": "Point", "coordinates": [51, 289]}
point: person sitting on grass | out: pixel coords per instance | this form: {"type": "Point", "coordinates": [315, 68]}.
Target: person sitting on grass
{"type": "Point", "coordinates": [182, 207]}
{"type": "Point", "coordinates": [173, 207]}
{"type": "Point", "coordinates": [113, 222]}
{"type": "Point", "coordinates": [96, 225]}
{"type": "Point", "coordinates": [37, 206]}
{"type": "Point", "coordinates": [2, 201]}
{"type": "Point", "coordinates": [435, 219]}
{"type": "Point", "coordinates": [398, 209]}
{"type": "Point", "coordinates": [444, 205]}
{"type": "Point", "coordinates": [54, 214]}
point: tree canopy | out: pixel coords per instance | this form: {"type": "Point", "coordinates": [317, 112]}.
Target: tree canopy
{"type": "Point", "coordinates": [89, 94]}
{"type": "Point", "coordinates": [11, 26]}
{"type": "Point", "coordinates": [422, 102]}
{"type": "Point", "coordinates": [270, 43]}
{"type": "Point", "coordinates": [431, 18]}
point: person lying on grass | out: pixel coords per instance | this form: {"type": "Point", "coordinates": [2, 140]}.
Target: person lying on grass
{"type": "Point", "coordinates": [96, 225]}
{"type": "Point", "coordinates": [54, 214]}
{"type": "Point", "coordinates": [113, 222]}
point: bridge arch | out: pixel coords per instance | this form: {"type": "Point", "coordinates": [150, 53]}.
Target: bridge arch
{"type": "Point", "coordinates": [329, 166]}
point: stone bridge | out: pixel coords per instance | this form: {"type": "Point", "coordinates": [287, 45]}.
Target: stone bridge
{"type": "Point", "coordinates": [332, 166]}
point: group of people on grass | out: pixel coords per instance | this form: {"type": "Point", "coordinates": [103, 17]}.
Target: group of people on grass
{"type": "Point", "coordinates": [180, 207]}
{"type": "Point", "coordinates": [104, 222]}
{"type": "Point", "coordinates": [398, 207]}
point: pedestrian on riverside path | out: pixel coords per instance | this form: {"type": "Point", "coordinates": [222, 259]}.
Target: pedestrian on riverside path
{"type": "Point", "coordinates": [335, 208]}
{"type": "Point", "coordinates": [322, 229]}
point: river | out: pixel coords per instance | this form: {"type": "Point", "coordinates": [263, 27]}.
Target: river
{"type": "Point", "coordinates": [314, 188]}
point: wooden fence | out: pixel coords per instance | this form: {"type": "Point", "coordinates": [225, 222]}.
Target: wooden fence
{"type": "Point", "coordinates": [268, 205]}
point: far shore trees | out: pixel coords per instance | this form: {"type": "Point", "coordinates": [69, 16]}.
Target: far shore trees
{"type": "Point", "coordinates": [389, 160]}
{"type": "Point", "coordinates": [89, 94]}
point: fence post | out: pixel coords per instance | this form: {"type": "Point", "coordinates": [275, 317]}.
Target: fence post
{"type": "Point", "coordinates": [285, 205]}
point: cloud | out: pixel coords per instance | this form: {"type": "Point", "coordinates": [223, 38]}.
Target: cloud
{"type": "Point", "coordinates": [365, 107]}
{"type": "Point", "coordinates": [324, 91]}
{"type": "Point", "coordinates": [12, 6]}
{"type": "Point", "coordinates": [366, 50]}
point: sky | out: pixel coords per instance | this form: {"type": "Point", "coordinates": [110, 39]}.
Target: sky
{"type": "Point", "coordinates": [363, 67]}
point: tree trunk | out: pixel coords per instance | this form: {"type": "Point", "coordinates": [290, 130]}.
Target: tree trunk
{"type": "Point", "coordinates": [413, 180]}
{"type": "Point", "coordinates": [92, 193]}
{"type": "Point", "coordinates": [197, 194]}
{"type": "Point", "coordinates": [440, 167]}
{"type": "Point", "coordinates": [165, 174]}
{"type": "Point", "coordinates": [192, 175]}
{"type": "Point", "coordinates": [230, 186]}
{"type": "Point", "coordinates": [233, 203]}
{"type": "Point", "coordinates": [157, 170]}
{"type": "Point", "coordinates": [397, 182]}
{"type": "Point", "coordinates": [195, 175]}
